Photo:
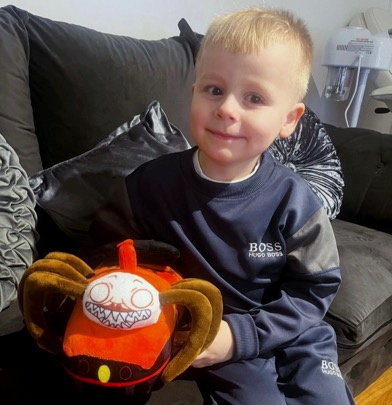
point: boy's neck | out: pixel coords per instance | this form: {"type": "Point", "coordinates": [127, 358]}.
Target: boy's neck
{"type": "Point", "coordinates": [226, 174]}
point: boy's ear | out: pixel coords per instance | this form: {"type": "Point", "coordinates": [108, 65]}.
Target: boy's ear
{"type": "Point", "coordinates": [292, 120]}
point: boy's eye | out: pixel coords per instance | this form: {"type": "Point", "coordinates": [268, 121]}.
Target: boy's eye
{"type": "Point", "coordinates": [214, 90]}
{"type": "Point", "coordinates": [254, 99]}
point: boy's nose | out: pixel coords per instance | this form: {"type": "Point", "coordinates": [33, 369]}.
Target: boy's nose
{"type": "Point", "coordinates": [228, 109]}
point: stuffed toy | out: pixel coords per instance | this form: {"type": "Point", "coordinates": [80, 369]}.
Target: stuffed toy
{"type": "Point", "coordinates": [123, 321]}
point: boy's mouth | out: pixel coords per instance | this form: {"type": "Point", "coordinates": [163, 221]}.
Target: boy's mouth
{"type": "Point", "coordinates": [223, 135]}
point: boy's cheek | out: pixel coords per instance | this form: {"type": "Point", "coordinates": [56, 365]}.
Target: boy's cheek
{"type": "Point", "coordinates": [197, 113]}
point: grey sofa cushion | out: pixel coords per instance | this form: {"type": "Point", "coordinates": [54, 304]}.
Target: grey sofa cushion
{"type": "Point", "coordinates": [363, 305]}
{"type": "Point", "coordinates": [16, 114]}
{"type": "Point", "coordinates": [17, 230]}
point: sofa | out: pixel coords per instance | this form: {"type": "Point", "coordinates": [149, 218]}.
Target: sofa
{"type": "Point", "coordinates": [81, 109]}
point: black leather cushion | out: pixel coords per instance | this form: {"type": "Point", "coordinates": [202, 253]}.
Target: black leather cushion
{"type": "Point", "coordinates": [84, 83]}
{"type": "Point", "coordinates": [310, 152]}
{"type": "Point", "coordinates": [16, 114]}
{"type": "Point", "coordinates": [72, 191]}
{"type": "Point", "coordinates": [366, 157]}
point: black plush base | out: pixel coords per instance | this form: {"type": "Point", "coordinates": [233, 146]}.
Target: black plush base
{"type": "Point", "coordinates": [30, 376]}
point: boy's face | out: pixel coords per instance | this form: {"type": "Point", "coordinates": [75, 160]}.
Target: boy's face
{"type": "Point", "coordinates": [240, 104]}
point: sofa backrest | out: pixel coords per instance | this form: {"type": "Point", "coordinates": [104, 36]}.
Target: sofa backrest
{"type": "Point", "coordinates": [16, 112]}
{"type": "Point", "coordinates": [85, 83]}
{"type": "Point", "coordinates": [366, 158]}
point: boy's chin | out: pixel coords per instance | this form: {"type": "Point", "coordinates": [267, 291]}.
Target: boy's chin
{"type": "Point", "coordinates": [226, 166]}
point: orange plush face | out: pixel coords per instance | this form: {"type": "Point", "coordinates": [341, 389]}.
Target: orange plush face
{"type": "Point", "coordinates": [122, 301]}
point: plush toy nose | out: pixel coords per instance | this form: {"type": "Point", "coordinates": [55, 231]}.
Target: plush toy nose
{"type": "Point", "coordinates": [127, 256]}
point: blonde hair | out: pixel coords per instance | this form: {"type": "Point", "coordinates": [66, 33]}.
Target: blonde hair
{"type": "Point", "coordinates": [250, 30]}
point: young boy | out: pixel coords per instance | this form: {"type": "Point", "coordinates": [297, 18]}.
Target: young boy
{"type": "Point", "coordinates": [248, 224]}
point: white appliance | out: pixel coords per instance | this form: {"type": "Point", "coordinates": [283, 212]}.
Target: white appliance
{"type": "Point", "coordinates": [378, 20]}
{"type": "Point", "coordinates": [350, 54]}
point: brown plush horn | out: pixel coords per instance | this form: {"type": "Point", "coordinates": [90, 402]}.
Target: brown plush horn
{"type": "Point", "coordinates": [50, 265]}
{"type": "Point", "coordinates": [74, 261]}
{"type": "Point", "coordinates": [44, 278]}
{"type": "Point", "coordinates": [201, 315]}
{"type": "Point", "coordinates": [214, 295]}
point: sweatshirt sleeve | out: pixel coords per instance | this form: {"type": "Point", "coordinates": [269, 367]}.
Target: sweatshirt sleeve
{"type": "Point", "coordinates": [311, 280]}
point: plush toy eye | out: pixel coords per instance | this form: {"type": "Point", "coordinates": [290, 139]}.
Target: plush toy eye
{"type": "Point", "coordinates": [100, 292]}
{"type": "Point", "coordinates": [142, 298]}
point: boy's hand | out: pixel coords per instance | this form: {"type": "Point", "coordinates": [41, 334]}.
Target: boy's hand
{"type": "Point", "coordinates": [220, 350]}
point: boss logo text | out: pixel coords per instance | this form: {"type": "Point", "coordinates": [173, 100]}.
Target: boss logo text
{"type": "Point", "coordinates": [265, 249]}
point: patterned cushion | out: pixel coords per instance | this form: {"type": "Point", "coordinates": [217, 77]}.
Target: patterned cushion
{"type": "Point", "coordinates": [310, 153]}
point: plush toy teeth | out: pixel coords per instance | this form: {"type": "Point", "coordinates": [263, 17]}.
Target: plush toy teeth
{"type": "Point", "coordinates": [117, 319]}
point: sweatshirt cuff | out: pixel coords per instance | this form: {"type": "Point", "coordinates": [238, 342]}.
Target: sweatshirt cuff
{"type": "Point", "coordinates": [246, 342]}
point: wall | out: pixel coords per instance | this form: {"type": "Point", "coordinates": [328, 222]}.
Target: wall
{"type": "Point", "coordinates": [153, 19]}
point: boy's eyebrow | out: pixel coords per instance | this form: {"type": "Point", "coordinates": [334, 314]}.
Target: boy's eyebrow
{"type": "Point", "coordinates": [253, 85]}
{"type": "Point", "coordinates": [260, 87]}
{"type": "Point", "coordinates": [210, 76]}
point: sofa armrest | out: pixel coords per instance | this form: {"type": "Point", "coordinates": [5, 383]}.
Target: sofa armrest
{"type": "Point", "coordinates": [366, 158]}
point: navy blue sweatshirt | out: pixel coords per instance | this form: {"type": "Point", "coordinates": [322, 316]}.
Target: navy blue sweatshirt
{"type": "Point", "coordinates": [265, 242]}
